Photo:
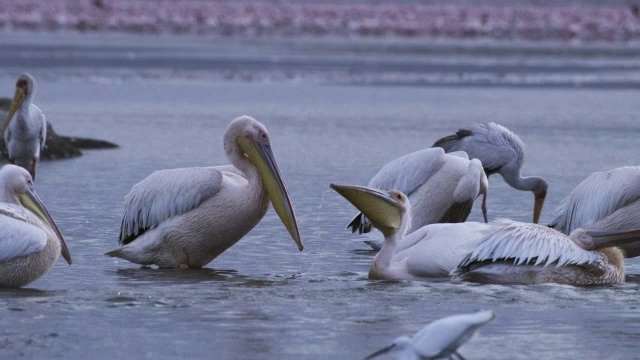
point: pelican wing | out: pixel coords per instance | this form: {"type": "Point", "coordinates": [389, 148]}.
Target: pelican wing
{"type": "Point", "coordinates": [19, 237]}
{"type": "Point", "coordinates": [596, 197]}
{"type": "Point", "coordinates": [529, 244]}
{"type": "Point", "coordinates": [405, 174]}
{"type": "Point", "coordinates": [408, 172]}
{"type": "Point", "coordinates": [165, 194]}
{"type": "Point", "coordinates": [493, 144]}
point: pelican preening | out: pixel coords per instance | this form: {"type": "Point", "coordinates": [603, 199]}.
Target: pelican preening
{"type": "Point", "coordinates": [500, 151]}
{"type": "Point", "coordinates": [498, 252]}
{"type": "Point", "coordinates": [439, 339]}
{"type": "Point", "coordinates": [607, 200]}
{"type": "Point", "coordinates": [441, 187]}
{"type": "Point", "coordinates": [25, 136]}
{"type": "Point", "coordinates": [30, 242]}
{"type": "Point", "coordinates": [187, 217]}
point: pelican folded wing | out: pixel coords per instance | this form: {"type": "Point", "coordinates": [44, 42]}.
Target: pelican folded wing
{"type": "Point", "coordinates": [165, 194]}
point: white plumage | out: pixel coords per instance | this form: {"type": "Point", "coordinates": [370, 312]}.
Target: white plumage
{"type": "Point", "coordinates": [534, 244]}
{"type": "Point", "coordinates": [165, 194]}
{"type": "Point", "coordinates": [187, 217]}
{"type": "Point", "coordinates": [22, 232]}
{"type": "Point", "coordinates": [500, 151]}
{"type": "Point", "coordinates": [438, 339]}
{"type": "Point", "coordinates": [607, 200]}
{"type": "Point", "coordinates": [441, 187]}
{"type": "Point", "coordinates": [30, 242]}
{"type": "Point", "coordinates": [498, 252]}
{"type": "Point", "coordinates": [25, 136]}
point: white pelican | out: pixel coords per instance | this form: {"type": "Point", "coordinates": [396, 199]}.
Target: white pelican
{"type": "Point", "coordinates": [30, 242]}
{"type": "Point", "coordinates": [25, 136]}
{"type": "Point", "coordinates": [187, 217]}
{"type": "Point", "coordinates": [442, 187]}
{"type": "Point", "coordinates": [500, 151]}
{"type": "Point", "coordinates": [439, 339]}
{"type": "Point", "coordinates": [436, 250]}
{"type": "Point", "coordinates": [607, 200]}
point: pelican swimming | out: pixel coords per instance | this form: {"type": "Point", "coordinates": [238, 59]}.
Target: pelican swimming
{"type": "Point", "coordinates": [607, 200]}
{"type": "Point", "coordinates": [439, 339]}
{"type": "Point", "coordinates": [500, 151]}
{"type": "Point", "coordinates": [441, 187]}
{"type": "Point", "coordinates": [187, 217]}
{"type": "Point", "coordinates": [476, 248]}
{"type": "Point", "coordinates": [30, 242]}
{"type": "Point", "coordinates": [25, 136]}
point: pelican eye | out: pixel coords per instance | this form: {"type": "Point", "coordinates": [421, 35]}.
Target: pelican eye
{"type": "Point", "coordinates": [396, 195]}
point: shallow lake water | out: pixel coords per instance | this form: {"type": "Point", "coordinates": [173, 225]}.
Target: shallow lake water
{"type": "Point", "coordinates": [264, 299]}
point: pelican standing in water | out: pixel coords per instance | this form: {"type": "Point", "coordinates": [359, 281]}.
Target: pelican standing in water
{"type": "Point", "coordinates": [25, 136]}
{"type": "Point", "coordinates": [486, 252]}
{"type": "Point", "coordinates": [187, 217]}
{"type": "Point", "coordinates": [500, 151]}
{"type": "Point", "coordinates": [441, 187]}
{"type": "Point", "coordinates": [439, 339]}
{"type": "Point", "coordinates": [606, 200]}
{"type": "Point", "coordinates": [30, 242]}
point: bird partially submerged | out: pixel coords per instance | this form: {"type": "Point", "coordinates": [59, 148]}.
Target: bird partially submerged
{"type": "Point", "coordinates": [519, 253]}
{"type": "Point", "coordinates": [30, 242]}
{"type": "Point", "coordinates": [442, 187]}
{"type": "Point", "coordinates": [606, 201]}
{"type": "Point", "coordinates": [432, 251]}
{"type": "Point", "coordinates": [500, 151]}
{"type": "Point", "coordinates": [439, 339]}
{"type": "Point", "coordinates": [187, 217]}
{"type": "Point", "coordinates": [505, 251]}
{"type": "Point", "coordinates": [25, 137]}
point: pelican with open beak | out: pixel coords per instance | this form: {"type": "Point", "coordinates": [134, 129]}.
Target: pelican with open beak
{"type": "Point", "coordinates": [30, 241]}
{"type": "Point", "coordinates": [187, 217]}
{"type": "Point", "coordinates": [25, 136]}
{"type": "Point", "coordinates": [505, 252]}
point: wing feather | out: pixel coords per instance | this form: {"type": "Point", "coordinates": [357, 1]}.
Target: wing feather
{"type": "Point", "coordinates": [493, 144]}
{"type": "Point", "coordinates": [523, 243]}
{"type": "Point", "coordinates": [597, 197]}
{"type": "Point", "coordinates": [165, 194]}
{"type": "Point", "coordinates": [408, 172]}
{"type": "Point", "coordinates": [19, 237]}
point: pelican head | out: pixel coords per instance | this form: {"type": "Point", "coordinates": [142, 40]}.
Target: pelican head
{"type": "Point", "coordinates": [25, 89]}
{"type": "Point", "coordinates": [250, 138]}
{"type": "Point", "coordinates": [540, 193]}
{"type": "Point", "coordinates": [596, 240]}
{"type": "Point", "coordinates": [389, 211]}
{"type": "Point", "coordinates": [15, 188]}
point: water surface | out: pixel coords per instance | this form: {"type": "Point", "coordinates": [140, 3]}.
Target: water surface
{"type": "Point", "coordinates": [263, 299]}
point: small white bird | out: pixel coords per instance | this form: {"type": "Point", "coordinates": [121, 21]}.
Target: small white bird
{"type": "Point", "coordinates": [505, 251]}
{"type": "Point", "coordinates": [439, 339]}
{"type": "Point", "coordinates": [500, 151]}
{"type": "Point", "coordinates": [441, 187]}
{"type": "Point", "coordinates": [187, 217]}
{"type": "Point", "coordinates": [30, 242]}
{"type": "Point", "coordinates": [26, 135]}
{"type": "Point", "coordinates": [607, 201]}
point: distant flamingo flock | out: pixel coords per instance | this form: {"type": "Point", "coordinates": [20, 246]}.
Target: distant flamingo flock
{"type": "Point", "coordinates": [608, 23]}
